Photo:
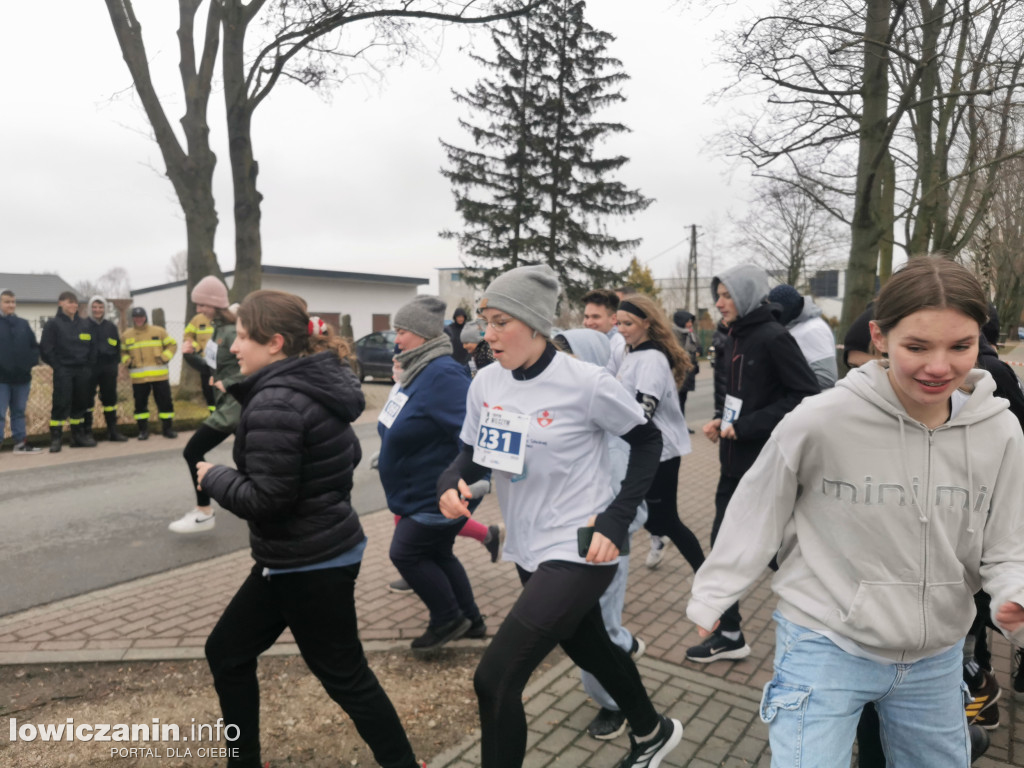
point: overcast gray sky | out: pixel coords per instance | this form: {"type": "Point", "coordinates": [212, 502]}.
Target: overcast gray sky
{"type": "Point", "coordinates": [351, 183]}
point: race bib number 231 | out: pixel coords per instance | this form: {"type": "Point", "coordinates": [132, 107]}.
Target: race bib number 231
{"type": "Point", "coordinates": [501, 441]}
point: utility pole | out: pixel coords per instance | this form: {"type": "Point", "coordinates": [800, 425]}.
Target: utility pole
{"type": "Point", "coordinates": [691, 275]}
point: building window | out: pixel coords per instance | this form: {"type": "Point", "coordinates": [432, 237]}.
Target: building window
{"type": "Point", "coordinates": [825, 283]}
{"type": "Point", "coordinates": [456, 277]}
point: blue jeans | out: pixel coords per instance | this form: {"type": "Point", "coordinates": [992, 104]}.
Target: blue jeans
{"type": "Point", "coordinates": [815, 698]}
{"type": "Point", "coordinates": [15, 397]}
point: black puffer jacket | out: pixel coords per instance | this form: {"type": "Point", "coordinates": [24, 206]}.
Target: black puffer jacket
{"type": "Point", "coordinates": [296, 451]}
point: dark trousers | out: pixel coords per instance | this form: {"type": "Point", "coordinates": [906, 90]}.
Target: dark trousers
{"type": "Point", "coordinates": [209, 393]}
{"type": "Point", "coordinates": [423, 555]}
{"type": "Point", "coordinates": [104, 376]}
{"type": "Point", "coordinates": [558, 606]}
{"type": "Point", "coordinates": [663, 515]}
{"type": "Point", "coordinates": [731, 619]}
{"type": "Point", "coordinates": [203, 440]}
{"type": "Point", "coordinates": [71, 395]}
{"type": "Point", "coordinates": [319, 608]}
{"type": "Point", "coordinates": [161, 393]}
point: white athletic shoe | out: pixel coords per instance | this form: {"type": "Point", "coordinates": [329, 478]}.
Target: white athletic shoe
{"type": "Point", "coordinates": [654, 557]}
{"type": "Point", "coordinates": [194, 521]}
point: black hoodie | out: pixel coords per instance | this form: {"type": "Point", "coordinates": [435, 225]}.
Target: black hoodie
{"type": "Point", "coordinates": [296, 451]}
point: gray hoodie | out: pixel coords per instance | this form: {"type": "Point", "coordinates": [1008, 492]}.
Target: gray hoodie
{"type": "Point", "coordinates": [817, 342]}
{"type": "Point", "coordinates": [884, 528]}
{"type": "Point", "coordinates": [747, 284]}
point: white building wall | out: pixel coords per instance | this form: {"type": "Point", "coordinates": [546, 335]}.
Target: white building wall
{"type": "Point", "coordinates": [454, 291]}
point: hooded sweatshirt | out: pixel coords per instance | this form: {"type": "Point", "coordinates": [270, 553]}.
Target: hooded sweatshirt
{"type": "Point", "coordinates": [817, 342]}
{"type": "Point", "coordinates": [884, 528]}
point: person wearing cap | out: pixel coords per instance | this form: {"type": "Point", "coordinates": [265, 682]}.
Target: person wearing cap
{"type": "Point", "coordinates": [419, 436]}
{"type": "Point", "coordinates": [146, 349]}
{"type": "Point", "coordinates": [472, 339]}
{"type": "Point", "coordinates": [19, 353]}
{"type": "Point", "coordinates": [761, 375]}
{"type": "Point", "coordinates": [107, 341]}
{"type": "Point", "coordinates": [802, 318]}
{"type": "Point", "coordinates": [66, 346]}
{"type": "Point", "coordinates": [539, 421]}
{"type": "Point", "coordinates": [454, 332]}
{"type": "Point", "coordinates": [213, 358]}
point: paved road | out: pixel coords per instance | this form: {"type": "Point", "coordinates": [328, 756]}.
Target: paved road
{"type": "Point", "coordinates": [76, 527]}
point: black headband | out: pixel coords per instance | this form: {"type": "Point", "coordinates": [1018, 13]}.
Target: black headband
{"type": "Point", "coordinates": [633, 309]}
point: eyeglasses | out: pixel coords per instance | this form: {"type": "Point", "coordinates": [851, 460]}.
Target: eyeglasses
{"type": "Point", "coordinates": [498, 326]}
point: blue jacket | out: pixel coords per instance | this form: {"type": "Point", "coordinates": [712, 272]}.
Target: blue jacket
{"type": "Point", "coordinates": [19, 350]}
{"type": "Point", "coordinates": [424, 438]}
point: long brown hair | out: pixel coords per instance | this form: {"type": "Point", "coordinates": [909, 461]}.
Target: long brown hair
{"type": "Point", "coordinates": [929, 282]}
{"type": "Point", "coordinates": [661, 335]}
{"type": "Point", "coordinates": [264, 313]}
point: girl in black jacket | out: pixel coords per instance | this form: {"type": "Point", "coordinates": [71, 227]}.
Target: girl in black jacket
{"type": "Point", "coordinates": [296, 452]}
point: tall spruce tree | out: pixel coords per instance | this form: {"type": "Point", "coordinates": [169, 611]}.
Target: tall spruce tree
{"type": "Point", "coordinates": [533, 190]}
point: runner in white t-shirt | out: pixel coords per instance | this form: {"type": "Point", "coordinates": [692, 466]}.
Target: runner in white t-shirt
{"type": "Point", "coordinates": [539, 421]}
{"type": "Point", "coordinates": [653, 369]}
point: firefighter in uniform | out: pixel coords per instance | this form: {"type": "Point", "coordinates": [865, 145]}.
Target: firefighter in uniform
{"type": "Point", "coordinates": [146, 351]}
{"type": "Point", "coordinates": [104, 372]}
{"type": "Point", "coordinates": [199, 331]}
{"type": "Point", "coordinates": [66, 346]}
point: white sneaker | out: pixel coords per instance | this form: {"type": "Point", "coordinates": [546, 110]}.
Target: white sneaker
{"type": "Point", "coordinates": [193, 522]}
{"type": "Point", "coordinates": [654, 557]}
{"type": "Point", "coordinates": [24, 449]}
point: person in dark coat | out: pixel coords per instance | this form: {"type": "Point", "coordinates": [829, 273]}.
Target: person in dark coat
{"type": "Point", "coordinates": [19, 352]}
{"type": "Point", "coordinates": [107, 341]}
{"type": "Point", "coordinates": [295, 453]}
{"type": "Point", "coordinates": [419, 437]}
{"type": "Point", "coordinates": [760, 376]}
{"type": "Point", "coordinates": [454, 331]}
{"type": "Point", "coordinates": [66, 346]}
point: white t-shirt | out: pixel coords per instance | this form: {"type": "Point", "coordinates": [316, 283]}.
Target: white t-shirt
{"type": "Point", "coordinates": [646, 371]}
{"type": "Point", "coordinates": [567, 474]}
{"type": "Point", "coordinates": [618, 351]}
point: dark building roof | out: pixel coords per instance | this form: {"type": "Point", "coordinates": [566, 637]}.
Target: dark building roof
{"type": "Point", "coordinates": [324, 274]}
{"type": "Point", "coordinates": [35, 288]}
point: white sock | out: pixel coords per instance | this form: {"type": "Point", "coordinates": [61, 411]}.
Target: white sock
{"type": "Point", "coordinates": [734, 636]}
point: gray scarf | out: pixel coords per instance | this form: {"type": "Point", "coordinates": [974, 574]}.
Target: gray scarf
{"type": "Point", "coordinates": [413, 361]}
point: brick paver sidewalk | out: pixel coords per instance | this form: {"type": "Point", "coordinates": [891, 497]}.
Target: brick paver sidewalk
{"type": "Point", "coordinates": [168, 616]}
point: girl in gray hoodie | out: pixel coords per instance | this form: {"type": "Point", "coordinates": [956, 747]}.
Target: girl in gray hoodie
{"type": "Point", "coordinates": [884, 530]}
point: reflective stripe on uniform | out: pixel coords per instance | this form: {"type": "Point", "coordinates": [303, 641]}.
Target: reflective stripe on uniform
{"type": "Point", "coordinates": [109, 408]}
{"type": "Point", "coordinates": [156, 370]}
{"type": "Point", "coordinates": [112, 342]}
{"type": "Point", "coordinates": [169, 340]}
{"type": "Point", "coordinates": [75, 422]}
{"type": "Point", "coordinates": [141, 344]}
{"type": "Point", "coordinates": [167, 415]}
{"type": "Point", "coordinates": [85, 337]}
{"type": "Point", "coordinates": [56, 423]}
{"type": "Point", "coordinates": [142, 416]}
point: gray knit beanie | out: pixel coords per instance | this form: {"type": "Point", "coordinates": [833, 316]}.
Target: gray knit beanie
{"type": "Point", "coordinates": [529, 294]}
{"type": "Point", "coordinates": [472, 333]}
{"type": "Point", "coordinates": [423, 316]}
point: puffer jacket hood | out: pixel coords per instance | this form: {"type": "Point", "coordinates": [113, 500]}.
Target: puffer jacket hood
{"type": "Point", "coordinates": [747, 284]}
{"type": "Point", "coordinates": [321, 377]}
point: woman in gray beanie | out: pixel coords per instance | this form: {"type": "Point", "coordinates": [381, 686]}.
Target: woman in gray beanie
{"type": "Point", "coordinates": [419, 432]}
{"type": "Point", "coordinates": [539, 421]}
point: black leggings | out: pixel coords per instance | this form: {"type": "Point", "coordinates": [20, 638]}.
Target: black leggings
{"type": "Point", "coordinates": [319, 608]}
{"type": "Point", "coordinates": [663, 516]}
{"type": "Point", "coordinates": [558, 606]}
{"type": "Point", "coordinates": [203, 439]}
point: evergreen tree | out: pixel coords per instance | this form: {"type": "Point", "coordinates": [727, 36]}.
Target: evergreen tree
{"type": "Point", "coordinates": [533, 190]}
{"type": "Point", "coordinates": [640, 280]}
